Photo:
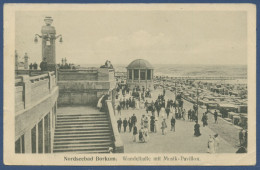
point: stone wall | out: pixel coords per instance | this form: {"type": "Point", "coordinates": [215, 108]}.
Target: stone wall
{"type": "Point", "coordinates": [84, 87]}
{"type": "Point", "coordinates": [68, 75]}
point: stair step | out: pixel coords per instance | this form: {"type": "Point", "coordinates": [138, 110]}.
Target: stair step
{"type": "Point", "coordinates": [81, 149]}
{"type": "Point", "coordinates": [82, 145]}
{"type": "Point", "coordinates": [83, 152]}
{"type": "Point", "coordinates": [80, 135]}
{"type": "Point", "coordinates": [81, 129]}
{"type": "Point", "coordinates": [82, 138]}
{"type": "Point", "coordinates": [82, 115]}
{"type": "Point", "coordinates": [82, 120]}
{"type": "Point", "coordinates": [85, 125]}
{"type": "Point", "coordinates": [83, 142]}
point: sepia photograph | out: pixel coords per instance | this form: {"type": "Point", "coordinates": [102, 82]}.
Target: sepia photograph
{"type": "Point", "coordinates": [124, 80]}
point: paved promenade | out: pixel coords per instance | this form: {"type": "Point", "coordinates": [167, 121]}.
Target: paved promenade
{"type": "Point", "coordinates": [182, 140]}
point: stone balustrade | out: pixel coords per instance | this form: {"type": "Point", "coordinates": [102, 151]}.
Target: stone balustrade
{"type": "Point", "coordinates": [118, 143]}
{"type": "Point", "coordinates": [29, 90]}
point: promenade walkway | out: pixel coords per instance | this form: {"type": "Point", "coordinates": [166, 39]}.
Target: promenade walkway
{"type": "Point", "coordinates": [180, 141]}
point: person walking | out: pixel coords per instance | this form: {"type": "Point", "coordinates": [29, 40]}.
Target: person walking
{"type": "Point", "coordinates": [135, 132]}
{"type": "Point", "coordinates": [164, 126]}
{"type": "Point", "coordinates": [133, 119]}
{"type": "Point", "coordinates": [147, 123]}
{"type": "Point", "coordinates": [245, 140]}
{"type": "Point", "coordinates": [189, 115]}
{"type": "Point", "coordinates": [130, 124]}
{"type": "Point", "coordinates": [216, 116]}
{"type": "Point", "coordinates": [133, 103]}
{"type": "Point", "coordinates": [184, 114]}
{"type": "Point", "coordinates": [163, 113]}
{"type": "Point", "coordinates": [141, 135]}
{"type": "Point", "coordinates": [152, 122]}
{"type": "Point", "coordinates": [119, 124]}
{"type": "Point", "coordinates": [156, 124]}
{"type": "Point", "coordinates": [119, 109]}
{"type": "Point", "coordinates": [203, 119]}
{"type": "Point", "coordinates": [142, 120]}
{"type": "Point", "coordinates": [124, 124]}
{"type": "Point", "coordinates": [173, 124]}
{"type": "Point", "coordinates": [241, 137]}
{"type": "Point", "coordinates": [146, 135]}
{"type": "Point", "coordinates": [127, 103]}
{"type": "Point", "coordinates": [137, 103]}
{"type": "Point", "coordinates": [211, 145]}
{"type": "Point", "coordinates": [197, 129]}
{"type": "Point", "coordinates": [216, 143]}
{"type": "Point", "coordinates": [167, 110]}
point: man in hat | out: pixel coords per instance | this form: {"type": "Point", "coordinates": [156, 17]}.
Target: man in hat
{"type": "Point", "coordinates": [173, 124]}
{"type": "Point", "coordinates": [216, 116]}
{"type": "Point", "coordinates": [133, 119]}
{"type": "Point", "coordinates": [125, 124]}
{"type": "Point", "coordinates": [119, 124]}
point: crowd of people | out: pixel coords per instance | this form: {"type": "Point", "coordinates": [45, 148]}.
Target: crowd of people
{"type": "Point", "coordinates": [149, 123]}
{"type": "Point", "coordinates": [162, 108]}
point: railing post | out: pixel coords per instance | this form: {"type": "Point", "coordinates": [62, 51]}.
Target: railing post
{"type": "Point", "coordinates": [26, 91]}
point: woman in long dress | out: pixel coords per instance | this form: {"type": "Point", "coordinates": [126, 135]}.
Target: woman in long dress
{"type": "Point", "coordinates": [216, 142]}
{"type": "Point", "coordinates": [185, 115]}
{"type": "Point", "coordinates": [137, 104]}
{"type": "Point", "coordinates": [156, 124]}
{"type": "Point", "coordinates": [164, 126]}
{"type": "Point", "coordinates": [211, 145]}
{"type": "Point", "coordinates": [146, 135]}
{"type": "Point", "coordinates": [197, 129]}
{"type": "Point", "coordinates": [163, 113]}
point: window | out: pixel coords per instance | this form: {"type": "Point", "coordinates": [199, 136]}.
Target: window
{"type": "Point", "coordinates": [142, 75]}
{"type": "Point", "coordinates": [149, 75]}
{"type": "Point", "coordinates": [130, 74]}
{"type": "Point", "coordinates": [136, 74]}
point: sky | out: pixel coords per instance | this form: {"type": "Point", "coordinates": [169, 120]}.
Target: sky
{"type": "Point", "coordinates": [161, 37]}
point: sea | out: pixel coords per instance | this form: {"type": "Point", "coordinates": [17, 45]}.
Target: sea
{"type": "Point", "coordinates": [175, 70]}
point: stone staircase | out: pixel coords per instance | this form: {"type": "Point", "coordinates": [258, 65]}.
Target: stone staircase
{"type": "Point", "coordinates": [82, 133]}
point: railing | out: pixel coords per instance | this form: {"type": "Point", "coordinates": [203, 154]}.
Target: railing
{"type": "Point", "coordinates": [38, 78]}
{"type": "Point", "coordinates": [118, 144]}
{"type": "Point", "coordinates": [30, 90]}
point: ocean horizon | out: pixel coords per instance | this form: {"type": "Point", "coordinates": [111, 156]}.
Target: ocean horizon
{"type": "Point", "coordinates": [189, 70]}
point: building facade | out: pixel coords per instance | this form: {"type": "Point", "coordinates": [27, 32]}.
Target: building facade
{"type": "Point", "coordinates": [35, 112]}
{"type": "Point", "coordinates": [140, 73]}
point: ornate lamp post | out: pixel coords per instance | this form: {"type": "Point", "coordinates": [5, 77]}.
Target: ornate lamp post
{"type": "Point", "coordinates": [48, 37]}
